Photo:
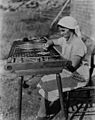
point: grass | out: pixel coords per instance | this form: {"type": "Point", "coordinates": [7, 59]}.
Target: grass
{"type": "Point", "coordinates": [16, 25]}
{"type": "Point", "coordinates": [25, 23]}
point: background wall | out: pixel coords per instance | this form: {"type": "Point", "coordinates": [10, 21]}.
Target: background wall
{"type": "Point", "coordinates": [84, 12]}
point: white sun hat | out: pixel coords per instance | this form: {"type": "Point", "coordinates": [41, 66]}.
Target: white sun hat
{"type": "Point", "coordinates": [68, 22]}
{"type": "Point", "coordinates": [71, 23]}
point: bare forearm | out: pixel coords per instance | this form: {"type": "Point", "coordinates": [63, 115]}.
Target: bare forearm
{"type": "Point", "coordinates": [50, 42]}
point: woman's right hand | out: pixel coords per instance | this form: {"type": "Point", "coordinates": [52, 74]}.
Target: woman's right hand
{"type": "Point", "coordinates": [45, 46]}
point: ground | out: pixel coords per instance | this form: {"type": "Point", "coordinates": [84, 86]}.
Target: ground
{"type": "Point", "coordinates": [16, 24]}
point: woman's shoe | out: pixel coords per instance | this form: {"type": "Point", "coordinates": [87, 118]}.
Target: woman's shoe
{"type": "Point", "coordinates": [41, 118]}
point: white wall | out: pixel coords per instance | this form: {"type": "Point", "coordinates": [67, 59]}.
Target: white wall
{"type": "Point", "coordinates": [84, 12]}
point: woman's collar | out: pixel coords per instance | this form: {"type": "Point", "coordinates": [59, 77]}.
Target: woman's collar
{"type": "Point", "coordinates": [70, 39]}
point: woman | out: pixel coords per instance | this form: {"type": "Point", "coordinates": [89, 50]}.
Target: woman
{"type": "Point", "coordinates": [73, 49]}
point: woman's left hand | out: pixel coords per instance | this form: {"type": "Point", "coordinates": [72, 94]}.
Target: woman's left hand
{"type": "Point", "coordinates": [77, 76]}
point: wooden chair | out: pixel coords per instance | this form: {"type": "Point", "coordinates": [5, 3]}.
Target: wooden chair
{"type": "Point", "coordinates": [77, 102]}
{"type": "Point", "coordinates": [81, 100]}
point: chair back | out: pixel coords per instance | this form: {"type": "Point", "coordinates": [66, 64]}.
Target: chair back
{"type": "Point", "coordinates": [92, 66]}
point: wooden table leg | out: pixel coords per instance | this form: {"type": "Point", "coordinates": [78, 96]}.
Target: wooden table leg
{"type": "Point", "coordinates": [59, 84]}
{"type": "Point", "coordinates": [20, 98]}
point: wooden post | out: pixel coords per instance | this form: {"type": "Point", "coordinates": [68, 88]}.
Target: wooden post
{"type": "Point", "coordinates": [57, 17]}
{"type": "Point", "coordinates": [60, 12]}
{"type": "Point", "coordinates": [59, 84]}
{"type": "Point", "coordinates": [20, 98]}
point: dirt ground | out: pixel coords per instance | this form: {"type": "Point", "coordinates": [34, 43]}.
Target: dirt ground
{"type": "Point", "coordinates": [25, 22]}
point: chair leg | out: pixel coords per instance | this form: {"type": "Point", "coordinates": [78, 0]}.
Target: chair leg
{"type": "Point", "coordinates": [59, 84]}
{"type": "Point", "coordinates": [20, 98]}
{"type": "Point", "coordinates": [67, 104]}
{"type": "Point", "coordinates": [76, 111]}
{"type": "Point", "coordinates": [84, 111]}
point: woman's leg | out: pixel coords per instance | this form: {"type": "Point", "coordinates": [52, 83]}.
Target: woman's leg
{"type": "Point", "coordinates": [42, 109]}
{"type": "Point", "coordinates": [48, 108]}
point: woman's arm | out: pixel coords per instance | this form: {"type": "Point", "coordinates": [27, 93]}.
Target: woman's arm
{"type": "Point", "coordinates": [59, 41]}
{"type": "Point", "coordinates": [50, 42]}
{"type": "Point", "coordinates": [76, 61]}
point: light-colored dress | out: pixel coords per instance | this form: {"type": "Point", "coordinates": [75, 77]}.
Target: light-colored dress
{"type": "Point", "coordinates": [48, 84]}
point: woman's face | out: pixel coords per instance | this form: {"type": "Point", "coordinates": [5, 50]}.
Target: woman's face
{"type": "Point", "coordinates": [65, 32]}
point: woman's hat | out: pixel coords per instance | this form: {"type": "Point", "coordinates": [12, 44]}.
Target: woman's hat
{"type": "Point", "coordinates": [70, 23]}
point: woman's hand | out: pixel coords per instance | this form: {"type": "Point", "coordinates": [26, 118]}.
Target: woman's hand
{"type": "Point", "coordinates": [48, 44]}
{"type": "Point", "coordinates": [45, 46]}
{"type": "Point", "coordinates": [78, 77]}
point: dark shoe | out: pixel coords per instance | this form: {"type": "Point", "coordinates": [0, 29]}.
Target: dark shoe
{"type": "Point", "coordinates": [41, 118]}
{"type": "Point", "coordinates": [25, 85]}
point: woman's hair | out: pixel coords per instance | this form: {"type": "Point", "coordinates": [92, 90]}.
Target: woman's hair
{"type": "Point", "coordinates": [72, 30]}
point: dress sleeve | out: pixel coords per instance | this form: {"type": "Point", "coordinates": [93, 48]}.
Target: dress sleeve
{"type": "Point", "coordinates": [79, 49]}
